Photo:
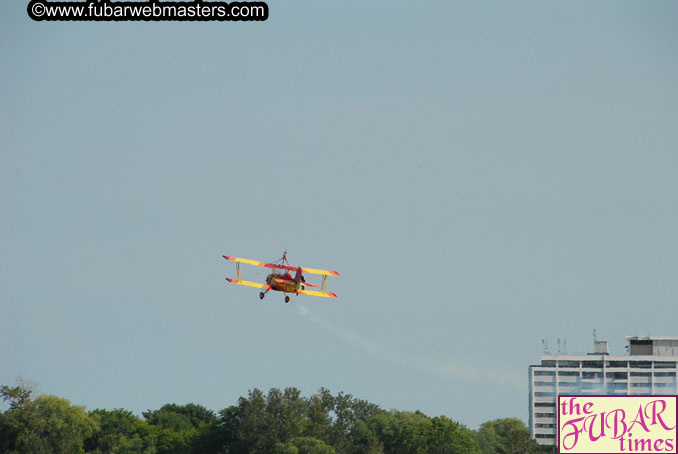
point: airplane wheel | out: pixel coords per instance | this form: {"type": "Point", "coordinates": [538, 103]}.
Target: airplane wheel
{"type": "Point", "coordinates": [261, 295]}
{"type": "Point", "coordinates": [287, 299]}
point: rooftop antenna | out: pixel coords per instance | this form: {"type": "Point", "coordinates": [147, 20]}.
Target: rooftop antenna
{"type": "Point", "coordinates": [565, 346]}
{"type": "Point", "coordinates": [559, 346]}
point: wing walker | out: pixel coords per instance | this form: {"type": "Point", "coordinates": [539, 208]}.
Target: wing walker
{"type": "Point", "coordinates": [281, 280]}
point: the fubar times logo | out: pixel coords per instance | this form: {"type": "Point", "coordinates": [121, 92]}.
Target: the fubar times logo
{"type": "Point", "coordinates": [617, 424]}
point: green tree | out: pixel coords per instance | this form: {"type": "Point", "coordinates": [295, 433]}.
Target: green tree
{"type": "Point", "coordinates": [244, 425]}
{"type": "Point", "coordinates": [46, 424]}
{"type": "Point", "coordinates": [364, 440]}
{"type": "Point", "coordinates": [347, 412]}
{"type": "Point", "coordinates": [260, 421]}
{"type": "Point", "coordinates": [285, 448]}
{"type": "Point", "coordinates": [303, 445]}
{"type": "Point", "coordinates": [115, 429]}
{"type": "Point", "coordinates": [17, 396]}
{"type": "Point", "coordinates": [180, 417]}
{"type": "Point", "coordinates": [505, 436]}
{"type": "Point", "coordinates": [170, 441]}
{"type": "Point", "coordinates": [400, 432]}
{"type": "Point", "coordinates": [318, 414]}
{"type": "Point", "coordinates": [415, 433]}
{"type": "Point", "coordinates": [285, 414]}
{"type": "Point", "coordinates": [279, 422]}
{"type": "Point", "coordinates": [444, 436]}
{"type": "Point", "coordinates": [182, 429]}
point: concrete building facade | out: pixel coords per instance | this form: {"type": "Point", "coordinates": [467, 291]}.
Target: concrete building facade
{"type": "Point", "coordinates": [649, 368]}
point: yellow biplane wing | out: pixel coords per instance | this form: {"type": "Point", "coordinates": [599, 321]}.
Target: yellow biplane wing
{"type": "Point", "coordinates": [248, 261]}
{"type": "Point", "coordinates": [249, 284]}
{"type": "Point", "coordinates": [314, 293]}
{"type": "Point", "coordinates": [282, 267]}
{"type": "Point", "coordinates": [316, 271]}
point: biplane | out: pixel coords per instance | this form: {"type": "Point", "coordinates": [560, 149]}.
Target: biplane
{"type": "Point", "coordinates": [281, 280]}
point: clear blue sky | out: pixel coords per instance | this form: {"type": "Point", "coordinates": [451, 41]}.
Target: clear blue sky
{"type": "Point", "coordinates": [482, 174]}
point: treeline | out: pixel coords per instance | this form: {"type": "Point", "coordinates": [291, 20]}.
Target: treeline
{"type": "Point", "coordinates": [279, 422]}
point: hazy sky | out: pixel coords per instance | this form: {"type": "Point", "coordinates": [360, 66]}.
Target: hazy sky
{"type": "Point", "coordinates": [482, 174]}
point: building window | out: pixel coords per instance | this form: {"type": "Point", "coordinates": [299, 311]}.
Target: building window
{"type": "Point", "coordinates": [566, 384]}
{"type": "Point", "coordinates": [544, 373]}
{"type": "Point", "coordinates": [664, 385]}
{"type": "Point", "coordinates": [664, 374]}
{"type": "Point", "coordinates": [664, 364]}
{"type": "Point", "coordinates": [545, 426]}
{"type": "Point", "coordinates": [544, 415]}
{"type": "Point", "coordinates": [641, 374]}
{"type": "Point", "coordinates": [544, 394]}
{"type": "Point", "coordinates": [590, 375]}
{"type": "Point", "coordinates": [545, 436]}
{"type": "Point", "coordinates": [641, 364]}
{"type": "Point", "coordinates": [592, 364]}
{"type": "Point", "coordinates": [548, 363]}
{"type": "Point", "coordinates": [568, 373]}
{"type": "Point", "coordinates": [566, 363]}
{"type": "Point", "coordinates": [545, 404]}
{"type": "Point", "coordinates": [617, 364]}
{"type": "Point", "coordinates": [617, 375]}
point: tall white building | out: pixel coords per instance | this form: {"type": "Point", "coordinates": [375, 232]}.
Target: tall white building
{"type": "Point", "coordinates": [649, 368]}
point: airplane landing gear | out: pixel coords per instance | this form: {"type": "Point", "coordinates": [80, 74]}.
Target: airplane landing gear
{"type": "Point", "coordinates": [287, 299]}
{"type": "Point", "coordinates": [261, 295]}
